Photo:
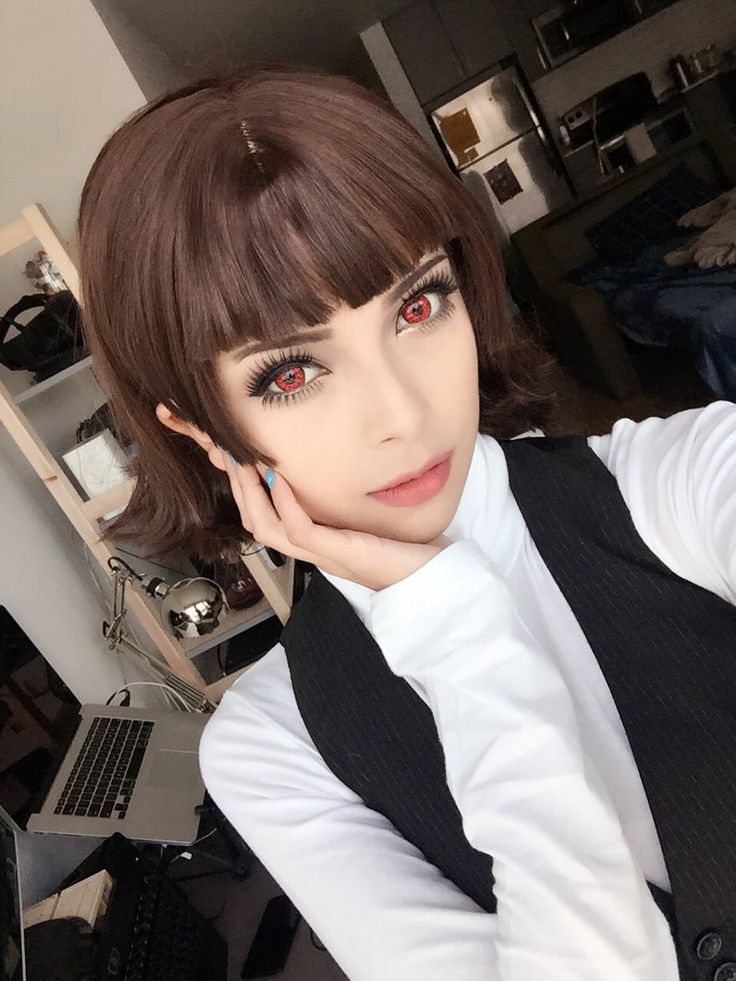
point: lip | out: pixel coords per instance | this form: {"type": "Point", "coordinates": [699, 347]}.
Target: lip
{"type": "Point", "coordinates": [418, 486]}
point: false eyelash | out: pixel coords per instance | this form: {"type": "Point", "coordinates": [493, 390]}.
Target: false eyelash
{"type": "Point", "coordinates": [443, 283]}
{"type": "Point", "coordinates": [265, 370]}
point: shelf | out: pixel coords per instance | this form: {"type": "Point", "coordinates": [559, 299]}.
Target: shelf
{"type": "Point", "coordinates": [48, 383]}
{"type": "Point", "coordinates": [699, 81]}
{"type": "Point", "coordinates": [75, 392]}
{"type": "Point", "coordinates": [235, 622]}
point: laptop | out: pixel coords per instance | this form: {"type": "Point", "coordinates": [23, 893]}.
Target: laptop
{"type": "Point", "coordinates": [12, 952]}
{"type": "Point", "coordinates": [68, 768]}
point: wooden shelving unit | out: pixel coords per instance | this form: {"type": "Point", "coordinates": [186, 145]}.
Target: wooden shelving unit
{"type": "Point", "coordinates": [277, 584]}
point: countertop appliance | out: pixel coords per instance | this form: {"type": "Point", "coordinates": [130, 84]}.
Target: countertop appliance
{"type": "Point", "coordinates": [611, 111]}
{"type": "Point", "coordinates": [571, 28]}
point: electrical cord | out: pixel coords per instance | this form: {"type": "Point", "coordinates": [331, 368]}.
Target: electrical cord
{"type": "Point", "coordinates": [171, 692]}
{"type": "Point", "coordinates": [165, 864]}
{"type": "Point", "coordinates": [126, 700]}
{"type": "Point", "coordinates": [159, 565]}
{"type": "Point", "coordinates": [221, 666]}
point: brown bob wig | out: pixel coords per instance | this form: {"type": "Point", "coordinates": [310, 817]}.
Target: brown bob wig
{"type": "Point", "coordinates": [241, 207]}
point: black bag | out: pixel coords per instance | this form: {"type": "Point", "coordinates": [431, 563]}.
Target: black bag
{"type": "Point", "coordinates": [49, 342]}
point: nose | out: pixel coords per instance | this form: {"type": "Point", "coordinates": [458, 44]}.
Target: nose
{"type": "Point", "coordinates": [396, 404]}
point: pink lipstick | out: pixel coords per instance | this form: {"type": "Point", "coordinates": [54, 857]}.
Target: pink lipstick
{"type": "Point", "coordinates": [417, 487]}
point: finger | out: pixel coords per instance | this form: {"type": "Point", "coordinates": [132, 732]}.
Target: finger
{"type": "Point", "coordinates": [265, 521]}
{"type": "Point", "coordinates": [296, 523]}
{"type": "Point", "coordinates": [293, 529]}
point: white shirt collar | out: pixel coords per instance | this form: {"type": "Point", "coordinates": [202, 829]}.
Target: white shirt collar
{"type": "Point", "coordinates": [487, 513]}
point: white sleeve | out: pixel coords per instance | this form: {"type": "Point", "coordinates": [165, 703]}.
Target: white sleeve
{"type": "Point", "coordinates": [678, 478]}
{"type": "Point", "coordinates": [572, 903]}
{"type": "Point", "coordinates": [383, 911]}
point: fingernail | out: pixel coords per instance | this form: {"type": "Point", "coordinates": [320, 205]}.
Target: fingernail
{"type": "Point", "coordinates": [270, 478]}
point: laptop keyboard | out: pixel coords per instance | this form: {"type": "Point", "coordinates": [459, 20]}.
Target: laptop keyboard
{"type": "Point", "coordinates": [103, 776]}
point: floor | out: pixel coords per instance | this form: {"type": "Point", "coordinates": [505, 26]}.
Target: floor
{"type": "Point", "coordinates": [668, 386]}
{"type": "Point", "coordinates": [238, 905]}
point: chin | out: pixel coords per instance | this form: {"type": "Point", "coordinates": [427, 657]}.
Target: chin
{"type": "Point", "coordinates": [416, 525]}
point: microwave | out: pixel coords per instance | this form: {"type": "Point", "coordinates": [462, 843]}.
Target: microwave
{"type": "Point", "coordinates": [571, 28]}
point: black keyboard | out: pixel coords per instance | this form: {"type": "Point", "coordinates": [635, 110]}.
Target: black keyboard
{"type": "Point", "coordinates": [168, 935]}
{"type": "Point", "coordinates": [149, 931]}
{"type": "Point", "coordinates": [103, 776]}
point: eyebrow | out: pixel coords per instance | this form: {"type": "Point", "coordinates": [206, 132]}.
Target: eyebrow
{"type": "Point", "coordinates": [324, 333]}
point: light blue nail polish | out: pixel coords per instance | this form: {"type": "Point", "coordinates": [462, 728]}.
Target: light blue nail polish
{"type": "Point", "coordinates": [270, 478]}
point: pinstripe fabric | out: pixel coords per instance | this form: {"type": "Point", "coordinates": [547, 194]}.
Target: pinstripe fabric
{"type": "Point", "coordinates": [376, 734]}
{"type": "Point", "coordinates": [663, 644]}
{"type": "Point", "coordinates": [667, 649]}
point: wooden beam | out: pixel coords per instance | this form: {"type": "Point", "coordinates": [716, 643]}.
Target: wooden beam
{"type": "Point", "coordinates": [277, 585]}
{"type": "Point", "coordinates": [45, 231]}
{"type": "Point", "coordinates": [111, 499]}
{"type": "Point", "coordinates": [217, 689]}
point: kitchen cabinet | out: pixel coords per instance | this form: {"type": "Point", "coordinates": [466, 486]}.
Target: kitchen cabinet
{"type": "Point", "coordinates": [477, 33]}
{"type": "Point", "coordinates": [522, 36]}
{"type": "Point", "coordinates": [424, 49]}
{"type": "Point", "coordinates": [519, 14]}
{"type": "Point", "coordinates": [441, 44]}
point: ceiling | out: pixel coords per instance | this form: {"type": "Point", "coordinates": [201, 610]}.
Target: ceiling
{"type": "Point", "coordinates": [200, 36]}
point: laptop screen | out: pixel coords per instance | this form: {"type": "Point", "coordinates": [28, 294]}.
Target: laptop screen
{"type": "Point", "coordinates": [11, 914]}
{"type": "Point", "coordinates": [37, 715]}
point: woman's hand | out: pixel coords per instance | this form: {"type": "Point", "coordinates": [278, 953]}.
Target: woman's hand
{"type": "Point", "coordinates": [282, 524]}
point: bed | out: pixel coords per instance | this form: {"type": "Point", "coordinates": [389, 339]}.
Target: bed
{"type": "Point", "coordinates": [685, 308]}
{"type": "Point", "coordinates": [598, 268]}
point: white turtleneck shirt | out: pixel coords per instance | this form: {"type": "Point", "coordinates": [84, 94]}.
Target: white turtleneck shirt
{"type": "Point", "coordinates": [536, 755]}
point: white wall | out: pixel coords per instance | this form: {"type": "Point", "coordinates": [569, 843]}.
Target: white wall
{"type": "Point", "coordinates": [685, 27]}
{"type": "Point", "coordinates": [152, 67]}
{"type": "Point", "coordinates": [65, 87]}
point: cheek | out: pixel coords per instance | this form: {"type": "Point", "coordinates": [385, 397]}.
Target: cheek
{"type": "Point", "coordinates": [308, 446]}
{"type": "Point", "coordinates": [452, 371]}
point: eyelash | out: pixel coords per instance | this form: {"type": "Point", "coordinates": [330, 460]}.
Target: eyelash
{"type": "Point", "coordinates": [443, 284]}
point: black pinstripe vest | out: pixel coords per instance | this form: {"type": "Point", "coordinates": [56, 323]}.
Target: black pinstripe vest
{"type": "Point", "coordinates": [667, 649]}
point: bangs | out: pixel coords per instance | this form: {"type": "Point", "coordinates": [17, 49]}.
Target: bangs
{"type": "Point", "coordinates": [299, 243]}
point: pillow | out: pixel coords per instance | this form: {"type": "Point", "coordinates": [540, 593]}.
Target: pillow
{"type": "Point", "coordinates": [651, 216]}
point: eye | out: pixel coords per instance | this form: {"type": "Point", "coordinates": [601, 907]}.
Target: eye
{"type": "Point", "coordinates": [421, 308]}
{"type": "Point", "coordinates": [429, 302]}
{"type": "Point", "coordinates": [291, 378]}
{"type": "Point", "coordinates": [284, 377]}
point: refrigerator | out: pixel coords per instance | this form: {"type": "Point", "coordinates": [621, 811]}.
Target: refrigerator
{"type": "Point", "coordinates": [497, 142]}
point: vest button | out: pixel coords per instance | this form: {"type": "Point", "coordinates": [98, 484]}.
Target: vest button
{"type": "Point", "coordinates": [726, 972]}
{"type": "Point", "coordinates": [708, 946]}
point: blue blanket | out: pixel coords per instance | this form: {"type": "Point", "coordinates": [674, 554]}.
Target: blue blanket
{"type": "Point", "coordinates": [682, 307]}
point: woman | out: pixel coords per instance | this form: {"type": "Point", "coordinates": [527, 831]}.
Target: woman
{"type": "Point", "coordinates": [296, 309]}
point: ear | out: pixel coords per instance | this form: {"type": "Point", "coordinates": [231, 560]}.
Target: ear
{"type": "Point", "coordinates": [167, 418]}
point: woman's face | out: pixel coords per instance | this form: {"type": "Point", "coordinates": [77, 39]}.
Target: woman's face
{"type": "Point", "coordinates": [372, 395]}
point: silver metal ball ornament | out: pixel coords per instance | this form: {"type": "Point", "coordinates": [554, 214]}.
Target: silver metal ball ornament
{"type": "Point", "coordinates": [189, 608]}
